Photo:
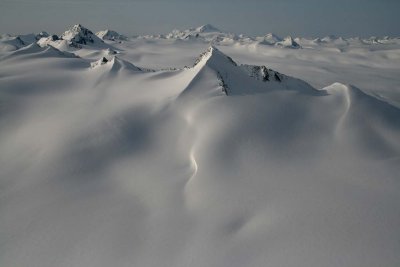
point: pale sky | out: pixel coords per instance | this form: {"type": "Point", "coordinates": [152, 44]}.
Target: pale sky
{"type": "Point", "coordinates": [310, 18]}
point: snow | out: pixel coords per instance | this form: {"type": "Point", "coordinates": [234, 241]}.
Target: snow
{"type": "Point", "coordinates": [111, 35]}
{"type": "Point", "coordinates": [208, 160]}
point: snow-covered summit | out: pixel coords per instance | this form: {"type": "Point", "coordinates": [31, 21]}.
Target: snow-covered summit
{"type": "Point", "coordinates": [214, 55]}
{"type": "Point", "coordinates": [79, 35]}
{"type": "Point", "coordinates": [333, 39]}
{"type": "Point", "coordinates": [329, 38]}
{"type": "Point", "coordinates": [205, 32]}
{"type": "Point", "coordinates": [244, 79]}
{"type": "Point", "coordinates": [288, 42]}
{"type": "Point", "coordinates": [111, 35]}
{"type": "Point", "coordinates": [269, 39]}
{"type": "Point", "coordinates": [207, 28]}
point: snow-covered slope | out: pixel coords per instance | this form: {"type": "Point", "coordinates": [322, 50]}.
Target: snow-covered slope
{"type": "Point", "coordinates": [245, 79]}
{"type": "Point", "coordinates": [9, 43]}
{"type": "Point", "coordinates": [225, 163]}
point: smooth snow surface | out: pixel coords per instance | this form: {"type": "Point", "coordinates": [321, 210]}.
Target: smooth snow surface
{"type": "Point", "coordinates": [166, 151]}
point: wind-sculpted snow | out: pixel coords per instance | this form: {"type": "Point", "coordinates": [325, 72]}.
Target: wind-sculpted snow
{"type": "Point", "coordinates": [230, 162]}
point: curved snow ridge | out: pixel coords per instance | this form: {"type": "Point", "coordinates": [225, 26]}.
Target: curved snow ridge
{"type": "Point", "coordinates": [35, 50]}
{"type": "Point", "coordinates": [192, 158]}
{"type": "Point", "coordinates": [344, 92]}
{"type": "Point", "coordinates": [354, 95]}
{"type": "Point", "coordinates": [12, 43]}
{"type": "Point", "coordinates": [366, 120]}
{"type": "Point", "coordinates": [120, 64]}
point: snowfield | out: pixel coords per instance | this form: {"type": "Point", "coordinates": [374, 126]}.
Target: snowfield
{"type": "Point", "coordinates": [199, 148]}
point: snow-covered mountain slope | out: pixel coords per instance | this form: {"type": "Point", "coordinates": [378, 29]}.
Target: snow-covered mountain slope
{"type": "Point", "coordinates": [11, 43]}
{"type": "Point", "coordinates": [35, 51]}
{"type": "Point", "coordinates": [245, 79]}
{"type": "Point", "coordinates": [107, 165]}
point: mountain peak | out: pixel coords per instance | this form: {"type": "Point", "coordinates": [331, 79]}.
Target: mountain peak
{"type": "Point", "coordinates": [111, 35]}
{"type": "Point", "coordinates": [207, 28]}
{"type": "Point", "coordinates": [80, 28]}
{"type": "Point", "coordinates": [214, 55]}
{"type": "Point", "coordinates": [288, 42]}
{"type": "Point", "coordinates": [270, 39]}
{"type": "Point", "coordinates": [273, 36]}
{"type": "Point", "coordinates": [243, 79]}
{"type": "Point", "coordinates": [79, 35]}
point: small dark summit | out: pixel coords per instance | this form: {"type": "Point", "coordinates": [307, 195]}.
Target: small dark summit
{"type": "Point", "coordinates": [54, 37]}
{"type": "Point", "coordinates": [104, 60]}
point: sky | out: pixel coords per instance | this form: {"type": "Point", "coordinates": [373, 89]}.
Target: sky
{"type": "Point", "coordinates": [308, 18]}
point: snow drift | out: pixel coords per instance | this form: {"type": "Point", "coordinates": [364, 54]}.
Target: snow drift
{"type": "Point", "coordinates": [218, 164]}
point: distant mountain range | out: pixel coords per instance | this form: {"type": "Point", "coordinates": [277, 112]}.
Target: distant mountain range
{"type": "Point", "coordinates": [78, 36]}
